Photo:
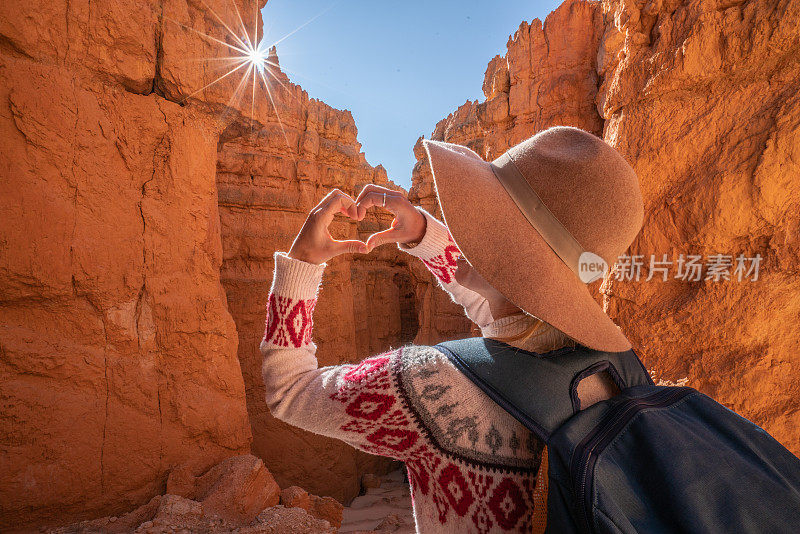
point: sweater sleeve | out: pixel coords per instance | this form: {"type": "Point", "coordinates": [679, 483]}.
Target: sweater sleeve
{"type": "Point", "coordinates": [356, 403]}
{"type": "Point", "coordinates": [439, 253]}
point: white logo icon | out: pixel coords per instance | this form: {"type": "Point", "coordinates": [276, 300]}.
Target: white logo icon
{"type": "Point", "coordinates": [591, 267]}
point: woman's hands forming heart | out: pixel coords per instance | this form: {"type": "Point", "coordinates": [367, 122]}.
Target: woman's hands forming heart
{"type": "Point", "coordinates": [409, 224]}
{"type": "Point", "coordinates": [314, 243]}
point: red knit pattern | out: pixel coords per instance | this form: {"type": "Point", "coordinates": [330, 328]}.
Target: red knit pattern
{"type": "Point", "coordinates": [443, 266]}
{"type": "Point", "coordinates": [367, 393]}
{"type": "Point", "coordinates": [289, 321]}
{"type": "Point", "coordinates": [382, 423]}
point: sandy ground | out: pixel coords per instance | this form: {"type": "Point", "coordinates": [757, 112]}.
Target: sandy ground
{"type": "Point", "coordinates": [383, 509]}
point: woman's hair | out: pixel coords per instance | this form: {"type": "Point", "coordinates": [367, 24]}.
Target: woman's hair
{"type": "Point", "coordinates": [548, 337]}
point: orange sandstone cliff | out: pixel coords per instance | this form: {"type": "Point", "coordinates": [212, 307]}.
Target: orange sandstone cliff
{"type": "Point", "coordinates": [702, 99]}
{"type": "Point", "coordinates": [140, 214]}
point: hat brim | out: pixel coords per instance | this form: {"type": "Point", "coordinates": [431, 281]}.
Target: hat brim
{"type": "Point", "coordinates": [506, 250]}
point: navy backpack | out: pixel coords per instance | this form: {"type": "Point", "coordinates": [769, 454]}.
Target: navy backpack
{"type": "Point", "coordinates": [651, 459]}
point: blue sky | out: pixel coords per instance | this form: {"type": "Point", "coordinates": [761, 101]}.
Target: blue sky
{"type": "Point", "coordinates": [399, 67]}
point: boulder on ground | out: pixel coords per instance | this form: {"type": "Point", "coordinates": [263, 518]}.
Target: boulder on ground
{"type": "Point", "coordinates": [238, 494]}
{"type": "Point", "coordinates": [326, 508]}
{"type": "Point", "coordinates": [236, 489]}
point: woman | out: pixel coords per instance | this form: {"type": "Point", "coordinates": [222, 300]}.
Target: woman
{"type": "Point", "coordinates": [472, 467]}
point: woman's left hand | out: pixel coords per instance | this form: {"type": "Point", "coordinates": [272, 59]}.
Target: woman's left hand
{"type": "Point", "coordinates": [314, 243]}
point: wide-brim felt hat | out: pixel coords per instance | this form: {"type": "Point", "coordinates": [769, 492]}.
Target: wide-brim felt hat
{"type": "Point", "coordinates": [522, 219]}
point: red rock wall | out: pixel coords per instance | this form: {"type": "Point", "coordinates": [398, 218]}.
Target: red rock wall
{"type": "Point", "coordinates": [702, 98]}
{"type": "Point", "coordinates": [118, 342]}
{"type": "Point", "coordinates": [118, 350]}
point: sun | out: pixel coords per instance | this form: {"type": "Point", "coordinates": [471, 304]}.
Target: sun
{"type": "Point", "coordinates": [256, 57]}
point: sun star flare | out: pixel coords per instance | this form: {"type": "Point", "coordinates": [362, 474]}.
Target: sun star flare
{"type": "Point", "coordinates": [250, 62]}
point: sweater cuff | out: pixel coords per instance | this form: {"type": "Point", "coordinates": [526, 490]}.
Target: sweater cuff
{"type": "Point", "coordinates": [296, 278]}
{"type": "Point", "coordinates": [290, 304]}
{"type": "Point", "coordinates": [436, 239]}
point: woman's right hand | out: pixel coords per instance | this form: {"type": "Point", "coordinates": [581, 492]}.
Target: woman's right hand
{"type": "Point", "coordinates": [409, 224]}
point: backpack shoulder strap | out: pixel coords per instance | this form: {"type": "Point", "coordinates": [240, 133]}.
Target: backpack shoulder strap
{"type": "Point", "coordinates": [539, 389]}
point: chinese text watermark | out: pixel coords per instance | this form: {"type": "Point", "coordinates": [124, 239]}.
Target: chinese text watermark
{"type": "Point", "coordinates": [688, 267]}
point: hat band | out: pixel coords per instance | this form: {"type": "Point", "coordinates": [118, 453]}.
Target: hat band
{"type": "Point", "coordinates": [541, 218]}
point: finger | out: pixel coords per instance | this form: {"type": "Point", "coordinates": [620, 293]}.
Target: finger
{"type": "Point", "coordinates": [350, 210]}
{"type": "Point", "coordinates": [362, 210]}
{"type": "Point", "coordinates": [369, 190]}
{"type": "Point", "coordinates": [349, 246]}
{"type": "Point", "coordinates": [389, 235]}
{"type": "Point", "coordinates": [334, 202]}
{"type": "Point", "coordinates": [394, 200]}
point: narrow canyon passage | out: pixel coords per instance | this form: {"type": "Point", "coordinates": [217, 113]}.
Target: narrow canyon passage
{"type": "Point", "coordinates": [142, 208]}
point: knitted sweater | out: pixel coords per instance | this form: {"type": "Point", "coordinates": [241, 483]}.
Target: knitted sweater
{"type": "Point", "coordinates": [472, 467]}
